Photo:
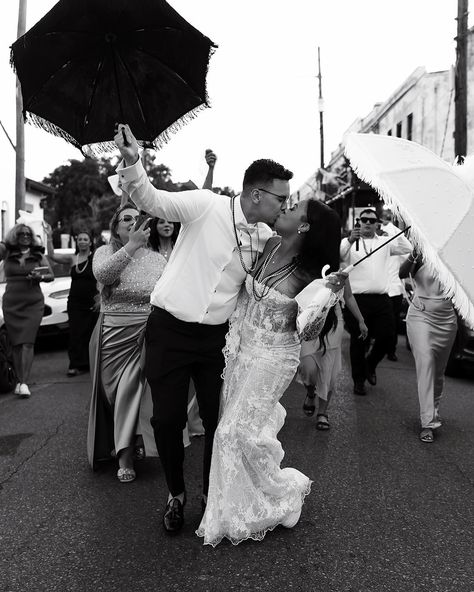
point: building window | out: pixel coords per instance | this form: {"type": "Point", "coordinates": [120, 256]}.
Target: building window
{"type": "Point", "coordinates": [409, 126]}
{"type": "Point", "coordinates": [399, 129]}
{"type": "Point", "coordinates": [389, 133]}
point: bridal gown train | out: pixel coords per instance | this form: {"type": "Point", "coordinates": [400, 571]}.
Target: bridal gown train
{"type": "Point", "coordinates": [249, 494]}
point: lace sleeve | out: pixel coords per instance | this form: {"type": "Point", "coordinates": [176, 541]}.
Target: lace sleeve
{"type": "Point", "coordinates": [108, 266]}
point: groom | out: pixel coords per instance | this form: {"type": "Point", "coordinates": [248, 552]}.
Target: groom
{"type": "Point", "coordinates": [218, 245]}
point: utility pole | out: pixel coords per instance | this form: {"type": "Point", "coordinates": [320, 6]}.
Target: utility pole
{"type": "Point", "coordinates": [460, 81]}
{"type": "Point", "coordinates": [321, 110]}
{"type": "Point", "coordinates": [20, 184]}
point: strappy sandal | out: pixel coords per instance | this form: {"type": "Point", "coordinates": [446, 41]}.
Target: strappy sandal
{"type": "Point", "coordinates": [309, 409]}
{"type": "Point", "coordinates": [322, 424]}
{"type": "Point", "coordinates": [125, 475]}
{"type": "Point", "coordinates": [426, 436]}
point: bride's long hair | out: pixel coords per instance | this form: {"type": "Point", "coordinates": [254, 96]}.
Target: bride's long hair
{"type": "Point", "coordinates": [320, 247]}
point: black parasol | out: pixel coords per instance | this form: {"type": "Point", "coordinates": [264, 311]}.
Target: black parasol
{"type": "Point", "coordinates": [88, 64]}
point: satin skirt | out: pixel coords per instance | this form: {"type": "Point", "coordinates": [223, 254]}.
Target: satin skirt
{"type": "Point", "coordinates": [431, 333]}
{"type": "Point", "coordinates": [119, 386]}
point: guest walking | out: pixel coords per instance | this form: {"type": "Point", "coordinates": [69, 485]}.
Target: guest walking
{"type": "Point", "coordinates": [370, 284]}
{"type": "Point", "coordinates": [321, 360]}
{"type": "Point", "coordinates": [126, 271]}
{"type": "Point", "coordinates": [431, 329]}
{"type": "Point", "coordinates": [81, 309]}
{"type": "Point", "coordinates": [25, 266]}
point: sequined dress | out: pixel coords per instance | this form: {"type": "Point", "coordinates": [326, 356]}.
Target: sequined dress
{"type": "Point", "coordinates": [119, 387]}
{"type": "Point", "coordinates": [249, 494]}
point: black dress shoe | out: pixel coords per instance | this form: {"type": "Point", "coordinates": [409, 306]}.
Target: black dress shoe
{"type": "Point", "coordinates": [392, 357]}
{"type": "Point", "coordinates": [173, 518]}
{"type": "Point", "coordinates": [371, 376]}
{"type": "Point", "coordinates": [359, 388]}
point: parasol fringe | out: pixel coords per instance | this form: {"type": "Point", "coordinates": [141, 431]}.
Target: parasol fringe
{"type": "Point", "coordinates": [451, 288]}
{"type": "Point", "coordinates": [102, 148]}
{"type": "Point", "coordinates": [51, 128]}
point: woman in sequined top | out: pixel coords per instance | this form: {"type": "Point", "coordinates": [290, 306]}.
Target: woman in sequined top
{"type": "Point", "coordinates": [126, 270]}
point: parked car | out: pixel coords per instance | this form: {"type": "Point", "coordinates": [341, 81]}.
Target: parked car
{"type": "Point", "coordinates": [55, 319]}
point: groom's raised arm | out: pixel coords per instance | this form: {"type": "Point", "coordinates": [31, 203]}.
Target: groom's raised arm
{"type": "Point", "coordinates": [180, 206]}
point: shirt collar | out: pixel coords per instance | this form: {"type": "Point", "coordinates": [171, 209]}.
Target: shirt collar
{"type": "Point", "coordinates": [240, 219]}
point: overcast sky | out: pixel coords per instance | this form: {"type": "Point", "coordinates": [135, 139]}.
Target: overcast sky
{"type": "Point", "coordinates": [262, 80]}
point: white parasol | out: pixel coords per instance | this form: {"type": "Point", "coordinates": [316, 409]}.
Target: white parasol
{"type": "Point", "coordinates": [435, 198]}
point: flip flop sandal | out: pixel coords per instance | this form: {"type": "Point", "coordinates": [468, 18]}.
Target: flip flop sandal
{"type": "Point", "coordinates": [311, 408]}
{"type": "Point", "coordinates": [126, 475]}
{"type": "Point", "coordinates": [322, 424]}
{"type": "Point", "coordinates": [426, 436]}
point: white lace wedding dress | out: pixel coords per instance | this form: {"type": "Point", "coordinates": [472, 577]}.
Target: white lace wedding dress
{"type": "Point", "coordinates": [249, 494]}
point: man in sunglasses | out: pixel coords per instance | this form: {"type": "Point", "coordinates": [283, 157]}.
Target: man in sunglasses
{"type": "Point", "coordinates": [370, 283]}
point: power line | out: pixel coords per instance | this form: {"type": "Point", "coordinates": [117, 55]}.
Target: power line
{"type": "Point", "coordinates": [6, 133]}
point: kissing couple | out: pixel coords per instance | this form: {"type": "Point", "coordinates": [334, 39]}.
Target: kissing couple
{"type": "Point", "coordinates": [224, 314]}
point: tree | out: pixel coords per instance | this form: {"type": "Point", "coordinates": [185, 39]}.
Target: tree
{"type": "Point", "coordinates": [83, 194]}
{"type": "Point", "coordinates": [159, 174]}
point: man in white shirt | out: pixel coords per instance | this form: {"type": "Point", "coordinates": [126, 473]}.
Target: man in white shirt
{"type": "Point", "coordinates": [218, 245]}
{"type": "Point", "coordinates": [370, 284]}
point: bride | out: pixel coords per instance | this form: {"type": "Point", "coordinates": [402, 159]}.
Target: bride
{"type": "Point", "coordinates": [249, 494]}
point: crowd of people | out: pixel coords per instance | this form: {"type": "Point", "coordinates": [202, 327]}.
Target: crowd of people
{"type": "Point", "coordinates": [187, 320]}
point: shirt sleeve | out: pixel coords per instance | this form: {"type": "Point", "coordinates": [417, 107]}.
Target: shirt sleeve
{"type": "Point", "coordinates": [345, 250]}
{"type": "Point", "coordinates": [179, 206]}
{"type": "Point", "coordinates": [400, 246]}
{"type": "Point", "coordinates": [107, 267]}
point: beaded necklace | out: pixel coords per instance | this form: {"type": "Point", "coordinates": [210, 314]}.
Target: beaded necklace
{"type": "Point", "coordinates": [274, 279]}
{"type": "Point", "coordinates": [77, 264]}
{"type": "Point", "coordinates": [253, 254]}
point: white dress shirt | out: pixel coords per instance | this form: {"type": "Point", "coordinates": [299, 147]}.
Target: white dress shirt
{"type": "Point", "coordinates": [372, 276]}
{"type": "Point", "coordinates": [204, 274]}
{"type": "Point", "coordinates": [395, 287]}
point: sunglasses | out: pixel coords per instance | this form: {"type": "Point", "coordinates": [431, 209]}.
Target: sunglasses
{"type": "Point", "coordinates": [365, 220]}
{"type": "Point", "coordinates": [128, 218]}
{"type": "Point", "coordinates": [27, 234]}
{"type": "Point", "coordinates": [285, 197]}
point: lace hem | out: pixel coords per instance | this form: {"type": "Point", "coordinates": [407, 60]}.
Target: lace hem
{"type": "Point", "coordinates": [255, 536]}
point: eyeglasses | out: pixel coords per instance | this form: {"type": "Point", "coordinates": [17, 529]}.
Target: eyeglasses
{"type": "Point", "coordinates": [128, 218]}
{"type": "Point", "coordinates": [26, 234]}
{"type": "Point", "coordinates": [365, 220]}
{"type": "Point", "coordinates": [285, 197]}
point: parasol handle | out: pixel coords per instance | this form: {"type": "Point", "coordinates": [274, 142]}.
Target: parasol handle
{"type": "Point", "coordinates": [349, 268]}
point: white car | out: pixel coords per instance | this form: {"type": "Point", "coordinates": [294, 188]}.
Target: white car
{"type": "Point", "coordinates": [55, 319]}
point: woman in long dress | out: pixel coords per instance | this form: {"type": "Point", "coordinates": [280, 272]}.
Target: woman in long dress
{"type": "Point", "coordinates": [126, 271]}
{"type": "Point", "coordinates": [25, 266]}
{"type": "Point", "coordinates": [320, 360]}
{"type": "Point", "coordinates": [431, 330]}
{"type": "Point", "coordinates": [249, 493]}
{"type": "Point", "coordinates": [81, 309]}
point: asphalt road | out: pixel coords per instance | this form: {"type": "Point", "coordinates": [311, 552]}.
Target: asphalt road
{"type": "Point", "coordinates": [386, 512]}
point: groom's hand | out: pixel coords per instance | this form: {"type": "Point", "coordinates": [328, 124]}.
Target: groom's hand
{"type": "Point", "coordinates": [126, 143]}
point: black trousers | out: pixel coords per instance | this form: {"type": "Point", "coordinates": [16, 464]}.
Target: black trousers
{"type": "Point", "coordinates": [175, 352]}
{"type": "Point", "coordinates": [378, 315]}
{"type": "Point", "coordinates": [396, 308]}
